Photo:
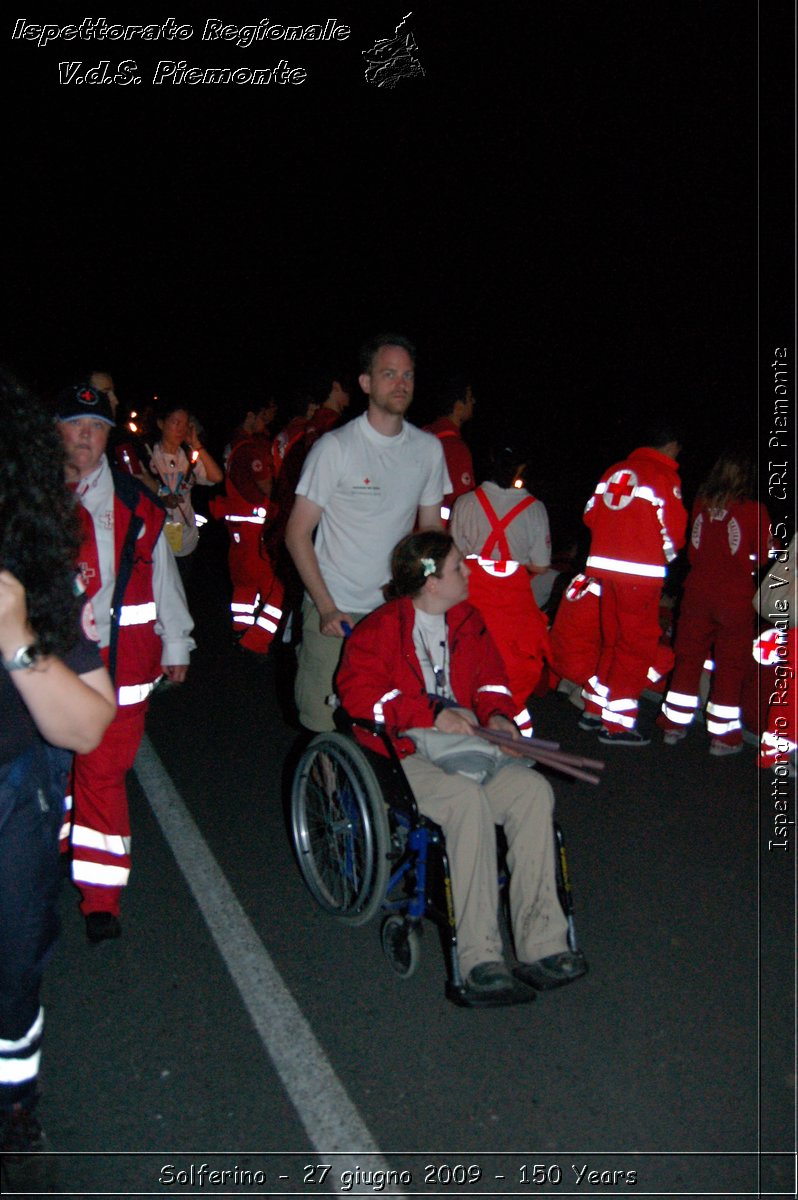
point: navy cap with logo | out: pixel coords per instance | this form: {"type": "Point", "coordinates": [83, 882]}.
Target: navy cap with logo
{"type": "Point", "coordinates": [82, 400]}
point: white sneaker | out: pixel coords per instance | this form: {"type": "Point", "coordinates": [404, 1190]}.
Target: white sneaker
{"type": "Point", "coordinates": [673, 737]}
{"type": "Point", "coordinates": [720, 749]}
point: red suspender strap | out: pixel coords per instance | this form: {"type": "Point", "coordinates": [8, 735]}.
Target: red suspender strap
{"type": "Point", "coordinates": [497, 536]}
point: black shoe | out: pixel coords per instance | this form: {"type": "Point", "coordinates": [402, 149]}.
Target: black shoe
{"type": "Point", "coordinates": [554, 971]}
{"type": "Point", "coordinates": [626, 737]}
{"type": "Point", "coordinates": [25, 1165]}
{"type": "Point", "coordinates": [489, 977]}
{"type": "Point", "coordinates": [100, 926]}
{"type": "Point", "coordinates": [590, 723]}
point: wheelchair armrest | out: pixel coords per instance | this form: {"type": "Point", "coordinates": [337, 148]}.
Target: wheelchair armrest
{"type": "Point", "coordinates": [345, 723]}
{"type": "Point", "coordinates": [402, 793]}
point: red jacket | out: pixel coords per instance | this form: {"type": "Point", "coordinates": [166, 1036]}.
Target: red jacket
{"type": "Point", "coordinates": [459, 463]}
{"type": "Point", "coordinates": [380, 677]}
{"type": "Point", "coordinates": [248, 465]}
{"type": "Point", "coordinates": [133, 656]}
{"type": "Point", "coordinates": [636, 518]}
{"type": "Point", "coordinates": [727, 548]}
{"type": "Point", "coordinates": [322, 421]}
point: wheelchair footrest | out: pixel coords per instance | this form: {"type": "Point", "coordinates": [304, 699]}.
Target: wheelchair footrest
{"type": "Point", "coordinates": [462, 996]}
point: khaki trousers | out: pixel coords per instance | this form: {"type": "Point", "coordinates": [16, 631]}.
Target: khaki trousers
{"type": "Point", "coordinates": [317, 661]}
{"type": "Point", "coordinates": [523, 802]}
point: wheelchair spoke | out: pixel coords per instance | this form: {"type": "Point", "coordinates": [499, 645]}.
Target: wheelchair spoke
{"type": "Point", "coordinates": [340, 829]}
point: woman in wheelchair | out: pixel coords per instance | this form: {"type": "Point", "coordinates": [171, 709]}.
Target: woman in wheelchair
{"type": "Point", "coordinates": [425, 662]}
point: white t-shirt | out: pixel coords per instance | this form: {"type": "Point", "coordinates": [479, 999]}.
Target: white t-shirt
{"type": "Point", "coordinates": [527, 535]}
{"type": "Point", "coordinates": [432, 650]}
{"type": "Point", "coordinates": [370, 488]}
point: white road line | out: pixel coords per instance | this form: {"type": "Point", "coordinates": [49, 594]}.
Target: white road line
{"type": "Point", "coordinates": [330, 1119]}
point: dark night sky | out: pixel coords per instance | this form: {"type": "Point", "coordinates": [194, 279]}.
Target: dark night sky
{"type": "Point", "coordinates": [565, 203]}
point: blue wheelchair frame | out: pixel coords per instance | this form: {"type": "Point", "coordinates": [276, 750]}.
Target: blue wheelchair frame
{"type": "Point", "coordinates": [417, 884]}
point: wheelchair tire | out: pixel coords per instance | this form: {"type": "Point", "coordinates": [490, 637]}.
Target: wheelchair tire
{"type": "Point", "coordinates": [339, 825]}
{"type": "Point", "coordinates": [401, 944]}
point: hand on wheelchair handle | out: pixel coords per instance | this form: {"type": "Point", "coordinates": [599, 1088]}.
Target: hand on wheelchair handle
{"type": "Point", "coordinates": [335, 623]}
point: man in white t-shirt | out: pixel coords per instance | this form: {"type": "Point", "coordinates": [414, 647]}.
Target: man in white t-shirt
{"type": "Point", "coordinates": [363, 487]}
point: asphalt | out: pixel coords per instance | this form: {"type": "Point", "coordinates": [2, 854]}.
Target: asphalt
{"type": "Point", "coordinates": [673, 1059]}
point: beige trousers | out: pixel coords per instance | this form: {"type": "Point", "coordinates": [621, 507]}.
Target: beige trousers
{"type": "Point", "coordinates": [317, 661]}
{"type": "Point", "coordinates": [522, 801]}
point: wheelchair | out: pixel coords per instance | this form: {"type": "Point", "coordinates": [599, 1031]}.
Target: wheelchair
{"type": "Point", "coordinates": [363, 848]}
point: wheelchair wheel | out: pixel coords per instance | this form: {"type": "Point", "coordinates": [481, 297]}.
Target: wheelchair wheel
{"type": "Point", "coordinates": [401, 944]}
{"type": "Point", "coordinates": [340, 829]}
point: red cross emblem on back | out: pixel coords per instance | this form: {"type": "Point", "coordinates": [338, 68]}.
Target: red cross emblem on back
{"type": "Point", "coordinates": [620, 489]}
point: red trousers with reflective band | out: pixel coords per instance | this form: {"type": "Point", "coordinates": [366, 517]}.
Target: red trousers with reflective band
{"type": "Point", "coordinates": [720, 628]}
{"type": "Point", "coordinates": [629, 633]}
{"type": "Point", "coordinates": [257, 602]}
{"type": "Point", "coordinates": [100, 832]}
{"type": "Point", "coordinates": [575, 634]}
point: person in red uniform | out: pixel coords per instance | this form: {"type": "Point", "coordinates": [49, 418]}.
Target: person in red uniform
{"type": "Point", "coordinates": [575, 636]}
{"type": "Point", "coordinates": [456, 404]}
{"type": "Point", "coordinates": [729, 541]}
{"type": "Point", "coordinates": [302, 407]}
{"type": "Point", "coordinates": [329, 414]}
{"type": "Point", "coordinates": [637, 523]}
{"type": "Point", "coordinates": [425, 663]}
{"type": "Point", "coordinates": [330, 394]}
{"type": "Point", "coordinates": [504, 531]}
{"type": "Point", "coordinates": [257, 596]}
{"type": "Point", "coordinates": [144, 630]}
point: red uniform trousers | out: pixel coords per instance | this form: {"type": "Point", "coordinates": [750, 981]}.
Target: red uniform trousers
{"type": "Point", "coordinates": [517, 626]}
{"type": "Point", "coordinates": [630, 633]}
{"type": "Point", "coordinates": [720, 627]}
{"type": "Point", "coordinates": [100, 821]}
{"type": "Point", "coordinates": [574, 636]}
{"type": "Point", "coordinates": [257, 601]}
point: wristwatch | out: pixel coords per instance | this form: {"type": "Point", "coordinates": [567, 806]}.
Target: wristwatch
{"type": "Point", "coordinates": [21, 659]}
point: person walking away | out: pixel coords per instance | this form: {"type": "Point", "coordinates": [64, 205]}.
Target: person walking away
{"type": "Point", "coordinates": [504, 532]}
{"type": "Point", "coordinates": [637, 523]}
{"type": "Point", "coordinates": [729, 541]}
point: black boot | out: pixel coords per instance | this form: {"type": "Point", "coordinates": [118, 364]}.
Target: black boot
{"type": "Point", "coordinates": [25, 1165]}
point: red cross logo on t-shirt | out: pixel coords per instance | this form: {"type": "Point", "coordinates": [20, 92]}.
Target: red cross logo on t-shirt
{"type": "Point", "coordinates": [620, 489]}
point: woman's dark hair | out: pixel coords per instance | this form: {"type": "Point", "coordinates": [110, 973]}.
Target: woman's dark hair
{"type": "Point", "coordinates": [165, 408]}
{"type": "Point", "coordinates": [733, 477]}
{"type": "Point", "coordinates": [408, 568]}
{"type": "Point", "coordinates": [39, 529]}
{"type": "Point", "coordinates": [503, 464]}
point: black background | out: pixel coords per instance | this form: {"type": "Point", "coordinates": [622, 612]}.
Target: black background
{"type": "Point", "coordinates": [565, 205]}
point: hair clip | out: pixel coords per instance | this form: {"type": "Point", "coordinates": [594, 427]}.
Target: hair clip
{"type": "Point", "coordinates": [429, 566]}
